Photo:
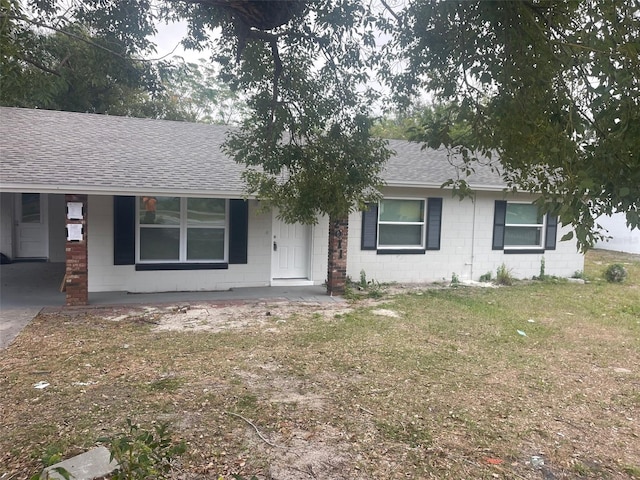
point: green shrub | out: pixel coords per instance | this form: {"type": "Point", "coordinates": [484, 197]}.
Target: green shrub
{"type": "Point", "coordinates": [142, 454]}
{"type": "Point", "coordinates": [363, 279]}
{"type": "Point", "coordinates": [542, 269]}
{"type": "Point", "coordinates": [503, 275]}
{"type": "Point", "coordinates": [372, 288]}
{"type": "Point", "coordinates": [51, 456]}
{"type": "Point", "coordinates": [349, 292]}
{"type": "Point", "coordinates": [615, 273]}
{"type": "Point", "coordinates": [486, 277]}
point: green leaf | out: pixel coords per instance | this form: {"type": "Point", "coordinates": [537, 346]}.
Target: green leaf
{"type": "Point", "coordinates": [567, 236]}
{"type": "Point", "coordinates": [63, 472]}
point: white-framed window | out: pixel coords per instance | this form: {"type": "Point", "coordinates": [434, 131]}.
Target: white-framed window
{"type": "Point", "coordinates": [524, 226]}
{"type": "Point", "coordinates": [401, 223]}
{"type": "Point", "coordinates": [181, 229]}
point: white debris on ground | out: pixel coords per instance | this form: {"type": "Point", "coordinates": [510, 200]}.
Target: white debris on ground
{"type": "Point", "coordinates": [220, 317]}
{"type": "Point", "coordinates": [621, 370]}
{"type": "Point", "coordinates": [473, 283]}
{"type": "Point", "coordinates": [385, 313]}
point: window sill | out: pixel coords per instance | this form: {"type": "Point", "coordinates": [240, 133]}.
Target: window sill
{"type": "Point", "coordinates": [523, 251]}
{"type": "Point", "coordinates": [401, 251]}
{"type": "Point", "coordinates": [149, 267]}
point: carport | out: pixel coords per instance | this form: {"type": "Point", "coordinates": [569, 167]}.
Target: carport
{"type": "Point", "coordinates": [25, 288]}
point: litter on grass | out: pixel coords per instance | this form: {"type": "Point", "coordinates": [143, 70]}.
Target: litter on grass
{"type": "Point", "coordinates": [537, 461]}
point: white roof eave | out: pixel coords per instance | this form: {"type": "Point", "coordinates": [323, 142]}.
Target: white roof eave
{"type": "Point", "coordinates": [95, 190]}
{"type": "Point", "coordinates": [482, 188]}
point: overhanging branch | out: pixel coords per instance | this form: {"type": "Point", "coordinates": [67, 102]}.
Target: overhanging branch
{"type": "Point", "coordinates": [260, 14]}
{"type": "Point", "coordinates": [391, 11]}
{"type": "Point", "coordinates": [272, 40]}
{"type": "Point", "coordinates": [39, 65]}
{"type": "Point", "coordinates": [81, 38]}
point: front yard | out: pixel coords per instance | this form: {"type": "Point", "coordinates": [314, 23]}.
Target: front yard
{"type": "Point", "coordinates": [540, 380]}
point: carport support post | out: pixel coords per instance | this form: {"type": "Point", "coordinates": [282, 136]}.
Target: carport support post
{"type": "Point", "coordinates": [337, 265]}
{"type": "Point", "coordinates": [76, 279]}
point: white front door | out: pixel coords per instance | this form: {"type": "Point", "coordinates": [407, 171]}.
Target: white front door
{"type": "Point", "coordinates": [290, 250]}
{"type": "Point", "coordinates": [31, 225]}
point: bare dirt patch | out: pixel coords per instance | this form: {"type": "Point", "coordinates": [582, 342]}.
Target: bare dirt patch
{"type": "Point", "coordinates": [217, 317]}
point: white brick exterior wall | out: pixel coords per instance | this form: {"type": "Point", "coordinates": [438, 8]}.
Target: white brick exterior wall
{"type": "Point", "coordinates": [105, 276]}
{"type": "Point", "coordinates": [466, 239]}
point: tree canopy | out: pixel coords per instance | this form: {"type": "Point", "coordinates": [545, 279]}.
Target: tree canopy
{"type": "Point", "coordinates": [551, 88]}
{"type": "Point", "coordinates": [307, 93]}
{"type": "Point", "coordinates": [67, 68]}
{"type": "Point", "coordinates": [193, 92]}
{"type": "Point", "coordinates": [70, 67]}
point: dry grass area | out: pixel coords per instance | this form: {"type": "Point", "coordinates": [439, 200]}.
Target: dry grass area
{"type": "Point", "coordinates": [435, 383]}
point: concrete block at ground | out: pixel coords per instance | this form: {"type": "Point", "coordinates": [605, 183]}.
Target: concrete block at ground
{"type": "Point", "coordinates": [86, 466]}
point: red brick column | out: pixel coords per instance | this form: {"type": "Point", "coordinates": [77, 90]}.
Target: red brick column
{"type": "Point", "coordinates": [76, 280]}
{"type": "Point", "coordinates": [337, 267]}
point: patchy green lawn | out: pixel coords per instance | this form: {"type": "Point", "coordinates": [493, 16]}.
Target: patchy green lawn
{"type": "Point", "coordinates": [436, 383]}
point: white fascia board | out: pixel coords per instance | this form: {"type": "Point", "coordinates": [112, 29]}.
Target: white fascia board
{"type": "Point", "coordinates": [69, 189]}
{"type": "Point", "coordinates": [482, 188]}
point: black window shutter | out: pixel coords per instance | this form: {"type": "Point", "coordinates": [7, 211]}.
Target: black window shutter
{"type": "Point", "coordinates": [124, 230]}
{"type": "Point", "coordinates": [238, 231]}
{"type": "Point", "coordinates": [551, 233]}
{"type": "Point", "coordinates": [434, 223]}
{"type": "Point", "coordinates": [499, 220]}
{"type": "Point", "coordinates": [369, 240]}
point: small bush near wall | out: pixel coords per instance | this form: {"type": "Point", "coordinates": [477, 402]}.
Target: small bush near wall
{"type": "Point", "coordinates": [615, 273]}
{"type": "Point", "coordinates": [504, 276]}
{"type": "Point", "coordinates": [372, 288]}
{"type": "Point", "coordinates": [486, 277]}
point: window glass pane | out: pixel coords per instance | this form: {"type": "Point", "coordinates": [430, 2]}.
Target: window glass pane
{"type": "Point", "coordinates": [396, 235]}
{"type": "Point", "coordinates": [160, 210]}
{"type": "Point", "coordinates": [402, 211]}
{"type": "Point", "coordinates": [523, 236]}
{"type": "Point", "coordinates": [159, 244]}
{"type": "Point", "coordinates": [206, 210]}
{"type": "Point", "coordinates": [519, 213]}
{"type": "Point", "coordinates": [30, 208]}
{"type": "Point", "coordinates": [205, 244]}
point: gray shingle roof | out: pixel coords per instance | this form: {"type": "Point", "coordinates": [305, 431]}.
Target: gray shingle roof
{"type": "Point", "coordinates": [42, 150]}
{"type": "Point", "coordinates": [414, 166]}
{"type": "Point", "coordinates": [94, 153]}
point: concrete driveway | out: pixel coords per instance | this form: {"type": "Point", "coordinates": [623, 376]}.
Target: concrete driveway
{"type": "Point", "coordinates": [27, 287]}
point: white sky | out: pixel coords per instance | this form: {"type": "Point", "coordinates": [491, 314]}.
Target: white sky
{"type": "Point", "coordinates": [168, 39]}
{"type": "Point", "coordinates": [168, 45]}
